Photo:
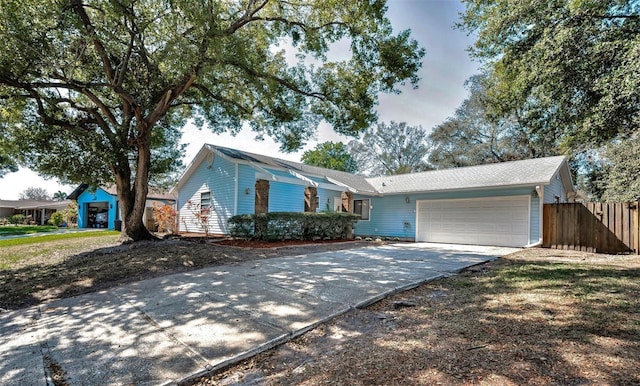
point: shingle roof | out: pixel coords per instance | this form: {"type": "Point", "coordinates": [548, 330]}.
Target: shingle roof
{"type": "Point", "coordinates": [112, 190]}
{"type": "Point", "coordinates": [527, 172]}
{"type": "Point", "coordinates": [34, 204]}
{"type": "Point", "coordinates": [537, 171]}
{"type": "Point", "coordinates": [352, 180]}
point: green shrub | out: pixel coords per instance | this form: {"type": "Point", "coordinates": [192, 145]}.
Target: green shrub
{"type": "Point", "coordinates": [17, 219]}
{"type": "Point", "coordinates": [57, 218]}
{"type": "Point", "coordinates": [293, 226]}
{"type": "Point", "coordinates": [241, 226]}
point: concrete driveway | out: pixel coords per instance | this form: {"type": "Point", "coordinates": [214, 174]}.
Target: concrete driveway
{"type": "Point", "coordinates": [169, 328]}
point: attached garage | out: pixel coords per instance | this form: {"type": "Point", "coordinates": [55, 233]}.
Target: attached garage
{"type": "Point", "coordinates": [500, 221]}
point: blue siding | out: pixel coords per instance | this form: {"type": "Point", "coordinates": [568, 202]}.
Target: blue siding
{"type": "Point", "coordinates": [534, 228]}
{"type": "Point", "coordinates": [99, 197]}
{"type": "Point", "coordinates": [326, 199]}
{"type": "Point", "coordinates": [555, 188]}
{"type": "Point", "coordinates": [285, 197]}
{"type": "Point", "coordinates": [246, 190]}
{"type": "Point", "coordinates": [392, 216]}
{"type": "Point", "coordinates": [217, 178]}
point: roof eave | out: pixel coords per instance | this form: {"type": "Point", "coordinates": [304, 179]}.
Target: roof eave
{"type": "Point", "coordinates": [493, 187]}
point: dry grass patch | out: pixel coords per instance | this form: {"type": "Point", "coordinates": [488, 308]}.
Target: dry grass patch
{"type": "Point", "coordinates": [524, 319]}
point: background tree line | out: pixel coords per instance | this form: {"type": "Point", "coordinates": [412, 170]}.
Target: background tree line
{"type": "Point", "coordinates": [558, 77]}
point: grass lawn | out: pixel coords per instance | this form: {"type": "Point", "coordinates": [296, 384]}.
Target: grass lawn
{"type": "Point", "coordinates": [527, 319]}
{"type": "Point", "coordinates": [10, 230]}
{"type": "Point", "coordinates": [49, 238]}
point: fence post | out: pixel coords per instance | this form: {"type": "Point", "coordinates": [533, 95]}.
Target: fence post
{"type": "Point", "coordinates": [636, 228]}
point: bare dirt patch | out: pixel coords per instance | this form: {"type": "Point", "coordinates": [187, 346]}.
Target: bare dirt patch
{"type": "Point", "coordinates": [534, 317]}
{"type": "Point", "coordinates": [45, 271]}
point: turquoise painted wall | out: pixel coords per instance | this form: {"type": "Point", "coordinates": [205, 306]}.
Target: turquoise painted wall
{"type": "Point", "coordinates": [392, 216]}
{"type": "Point", "coordinates": [99, 196]}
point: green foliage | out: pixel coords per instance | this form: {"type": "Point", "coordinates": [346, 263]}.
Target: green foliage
{"type": "Point", "coordinates": [25, 229]}
{"type": "Point", "coordinates": [96, 92]}
{"type": "Point", "coordinates": [7, 162]}
{"type": "Point", "coordinates": [57, 218]}
{"type": "Point", "coordinates": [622, 182]}
{"type": "Point", "coordinates": [293, 225]}
{"type": "Point", "coordinates": [390, 149]}
{"type": "Point", "coordinates": [55, 237]}
{"type": "Point", "coordinates": [566, 68]}
{"type": "Point", "coordinates": [59, 196]}
{"type": "Point", "coordinates": [71, 213]}
{"type": "Point", "coordinates": [241, 226]}
{"type": "Point", "coordinates": [17, 219]}
{"type": "Point", "coordinates": [472, 137]}
{"type": "Point", "coordinates": [330, 155]}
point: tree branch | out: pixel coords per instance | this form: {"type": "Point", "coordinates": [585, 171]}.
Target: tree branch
{"type": "Point", "coordinates": [277, 79]}
{"type": "Point", "coordinates": [78, 7]}
{"type": "Point", "coordinates": [220, 98]}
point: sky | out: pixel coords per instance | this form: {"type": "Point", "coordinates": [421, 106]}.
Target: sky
{"type": "Point", "coordinates": [445, 68]}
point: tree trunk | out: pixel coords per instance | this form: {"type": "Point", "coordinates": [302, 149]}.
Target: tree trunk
{"type": "Point", "coordinates": [133, 199]}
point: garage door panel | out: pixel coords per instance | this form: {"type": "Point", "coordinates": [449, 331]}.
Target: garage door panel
{"type": "Point", "coordinates": [500, 221]}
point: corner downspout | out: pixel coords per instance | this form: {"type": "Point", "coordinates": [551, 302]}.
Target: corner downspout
{"type": "Point", "coordinates": [235, 194]}
{"type": "Point", "coordinates": [540, 191]}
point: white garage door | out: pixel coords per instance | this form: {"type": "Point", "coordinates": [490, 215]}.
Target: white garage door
{"type": "Point", "coordinates": [501, 221]}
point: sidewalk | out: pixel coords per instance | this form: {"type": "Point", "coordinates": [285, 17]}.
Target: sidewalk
{"type": "Point", "coordinates": [163, 330]}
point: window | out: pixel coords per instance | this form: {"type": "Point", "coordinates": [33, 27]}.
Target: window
{"type": "Point", "coordinates": [205, 200]}
{"type": "Point", "coordinates": [361, 207]}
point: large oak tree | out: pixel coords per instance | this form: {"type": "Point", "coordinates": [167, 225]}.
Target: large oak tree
{"type": "Point", "coordinates": [569, 66]}
{"type": "Point", "coordinates": [103, 87]}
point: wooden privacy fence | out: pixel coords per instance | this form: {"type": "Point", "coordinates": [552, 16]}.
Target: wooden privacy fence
{"type": "Point", "coordinates": [592, 227]}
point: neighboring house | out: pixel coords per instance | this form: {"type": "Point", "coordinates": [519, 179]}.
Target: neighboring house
{"type": "Point", "coordinates": [99, 207]}
{"type": "Point", "coordinates": [494, 204]}
{"type": "Point", "coordinates": [38, 212]}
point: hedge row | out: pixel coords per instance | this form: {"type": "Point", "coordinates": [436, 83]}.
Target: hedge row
{"type": "Point", "coordinates": [293, 226]}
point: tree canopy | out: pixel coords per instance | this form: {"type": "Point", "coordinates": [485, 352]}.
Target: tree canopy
{"type": "Point", "coordinates": [99, 90]}
{"type": "Point", "coordinates": [472, 137]}
{"type": "Point", "coordinates": [622, 167]}
{"type": "Point", "coordinates": [35, 193]}
{"type": "Point", "coordinates": [394, 148]}
{"type": "Point", "coordinates": [569, 68]}
{"type": "Point", "coordinates": [330, 155]}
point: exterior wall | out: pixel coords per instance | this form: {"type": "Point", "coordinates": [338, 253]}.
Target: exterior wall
{"type": "Point", "coordinates": [392, 216]}
{"type": "Point", "coordinates": [6, 212]}
{"type": "Point", "coordinates": [326, 199]}
{"type": "Point", "coordinates": [554, 189]}
{"type": "Point", "coordinates": [99, 196]}
{"type": "Point", "coordinates": [219, 178]}
{"type": "Point", "coordinates": [285, 197]}
{"type": "Point", "coordinates": [246, 190]}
